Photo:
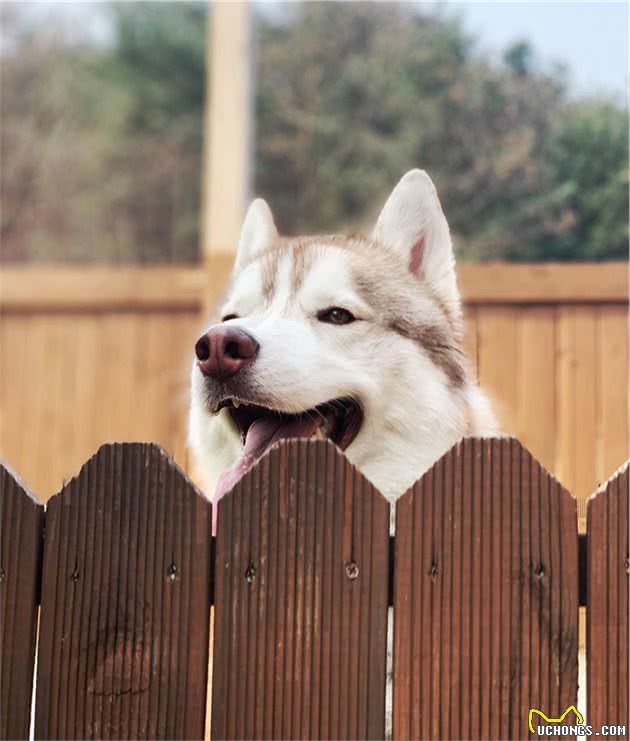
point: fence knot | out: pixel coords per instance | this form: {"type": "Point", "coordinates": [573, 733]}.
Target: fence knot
{"type": "Point", "coordinates": [352, 570]}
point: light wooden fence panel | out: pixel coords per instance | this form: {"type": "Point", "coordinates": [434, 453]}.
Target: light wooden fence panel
{"type": "Point", "coordinates": [123, 647]}
{"type": "Point", "coordinates": [20, 553]}
{"type": "Point", "coordinates": [301, 600]}
{"type": "Point", "coordinates": [549, 343]}
{"type": "Point", "coordinates": [485, 596]}
{"type": "Point", "coordinates": [608, 654]}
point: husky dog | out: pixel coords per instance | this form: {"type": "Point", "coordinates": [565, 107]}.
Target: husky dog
{"type": "Point", "coordinates": [358, 339]}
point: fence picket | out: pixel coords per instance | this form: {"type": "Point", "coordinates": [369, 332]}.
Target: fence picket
{"type": "Point", "coordinates": [301, 600]}
{"type": "Point", "coordinates": [485, 599]}
{"type": "Point", "coordinates": [124, 627]}
{"type": "Point", "coordinates": [607, 615]}
{"type": "Point", "coordinates": [20, 568]}
{"type": "Point", "coordinates": [488, 563]}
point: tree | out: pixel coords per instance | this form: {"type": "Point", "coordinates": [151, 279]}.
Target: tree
{"type": "Point", "coordinates": [352, 95]}
{"type": "Point", "coordinates": [588, 160]}
{"type": "Point", "coordinates": [101, 145]}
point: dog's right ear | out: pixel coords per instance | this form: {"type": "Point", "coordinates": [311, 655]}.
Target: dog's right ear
{"type": "Point", "coordinates": [258, 233]}
{"type": "Point", "coordinates": [413, 224]}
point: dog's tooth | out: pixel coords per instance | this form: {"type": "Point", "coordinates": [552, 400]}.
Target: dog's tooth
{"type": "Point", "coordinates": [236, 403]}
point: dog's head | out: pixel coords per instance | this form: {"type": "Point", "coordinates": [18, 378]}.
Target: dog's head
{"type": "Point", "coordinates": [357, 339]}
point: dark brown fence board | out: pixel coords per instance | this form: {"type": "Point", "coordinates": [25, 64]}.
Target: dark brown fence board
{"type": "Point", "coordinates": [607, 615]}
{"type": "Point", "coordinates": [125, 601]}
{"type": "Point", "coordinates": [302, 559]}
{"type": "Point", "coordinates": [20, 568]}
{"type": "Point", "coordinates": [485, 596]}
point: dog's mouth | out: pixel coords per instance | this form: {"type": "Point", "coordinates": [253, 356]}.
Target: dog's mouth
{"type": "Point", "coordinates": [338, 420]}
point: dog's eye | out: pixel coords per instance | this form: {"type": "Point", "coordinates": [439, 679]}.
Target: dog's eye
{"type": "Point", "coordinates": [335, 315]}
{"type": "Point", "coordinates": [227, 317]}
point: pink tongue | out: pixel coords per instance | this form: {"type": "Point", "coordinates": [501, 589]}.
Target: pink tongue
{"type": "Point", "coordinates": [262, 434]}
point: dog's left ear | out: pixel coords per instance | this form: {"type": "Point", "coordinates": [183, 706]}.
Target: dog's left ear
{"type": "Point", "coordinates": [413, 223]}
{"type": "Point", "coordinates": [258, 233]}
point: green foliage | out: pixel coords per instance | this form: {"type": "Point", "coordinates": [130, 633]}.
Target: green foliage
{"type": "Point", "coordinates": [102, 145]}
{"type": "Point", "coordinates": [588, 161]}
{"type": "Point", "coordinates": [352, 95]}
{"type": "Point", "coordinates": [159, 57]}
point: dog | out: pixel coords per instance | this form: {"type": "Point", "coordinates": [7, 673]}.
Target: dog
{"type": "Point", "coordinates": [353, 338]}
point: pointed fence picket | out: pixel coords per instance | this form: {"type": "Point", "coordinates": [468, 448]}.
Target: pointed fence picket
{"type": "Point", "coordinates": [486, 601]}
{"type": "Point", "coordinates": [21, 549]}
{"type": "Point", "coordinates": [608, 655]}
{"type": "Point", "coordinates": [123, 642]}
{"type": "Point", "coordinates": [301, 600]}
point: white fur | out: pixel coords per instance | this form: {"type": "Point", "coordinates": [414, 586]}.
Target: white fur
{"type": "Point", "coordinates": [257, 233]}
{"type": "Point", "coordinates": [413, 212]}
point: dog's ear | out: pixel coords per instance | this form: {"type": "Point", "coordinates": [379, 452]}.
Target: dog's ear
{"type": "Point", "coordinates": [257, 233]}
{"type": "Point", "coordinates": [412, 222]}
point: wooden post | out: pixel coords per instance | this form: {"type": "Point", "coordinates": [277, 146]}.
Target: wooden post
{"type": "Point", "coordinates": [228, 127]}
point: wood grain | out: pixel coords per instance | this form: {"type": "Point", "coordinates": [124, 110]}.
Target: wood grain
{"type": "Point", "coordinates": [485, 596]}
{"type": "Point", "coordinates": [179, 287]}
{"type": "Point", "coordinates": [608, 655]}
{"type": "Point", "coordinates": [70, 289]}
{"type": "Point", "coordinates": [535, 421]}
{"type": "Point", "coordinates": [301, 600]}
{"type": "Point", "coordinates": [543, 283]}
{"type": "Point", "coordinates": [123, 649]}
{"type": "Point", "coordinates": [613, 368]}
{"type": "Point", "coordinates": [20, 569]}
{"type": "Point", "coordinates": [579, 402]}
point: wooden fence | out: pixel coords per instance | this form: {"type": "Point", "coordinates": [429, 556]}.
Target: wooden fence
{"type": "Point", "coordinates": [94, 355]}
{"type": "Point", "coordinates": [485, 574]}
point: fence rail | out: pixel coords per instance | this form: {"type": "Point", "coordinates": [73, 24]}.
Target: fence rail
{"type": "Point", "coordinates": [486, 580]}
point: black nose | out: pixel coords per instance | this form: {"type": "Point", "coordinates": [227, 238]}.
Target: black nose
{"type": "Point", "coordinates": [223, 351]}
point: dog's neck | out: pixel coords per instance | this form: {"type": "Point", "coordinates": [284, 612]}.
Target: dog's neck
{"type": "Point", "coordinates": [412, 435]}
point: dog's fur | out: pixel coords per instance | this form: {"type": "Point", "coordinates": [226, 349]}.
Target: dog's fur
{"type": "Point", "coordinates": [402, 360]}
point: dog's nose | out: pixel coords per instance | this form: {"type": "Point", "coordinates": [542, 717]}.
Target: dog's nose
{"type": "Point", "coordinates": [224, 351]}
